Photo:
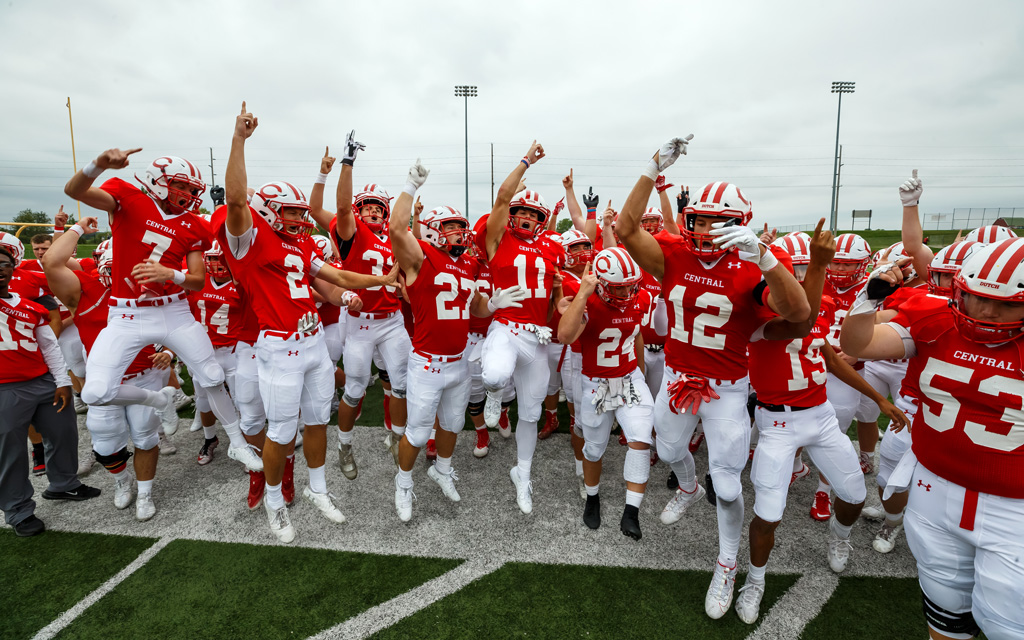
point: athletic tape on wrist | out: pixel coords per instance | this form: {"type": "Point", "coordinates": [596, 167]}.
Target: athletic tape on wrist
{"type": "Point", "coordinates": [321, 178]}
{"type": "Point", "coordinates": [92, 171]}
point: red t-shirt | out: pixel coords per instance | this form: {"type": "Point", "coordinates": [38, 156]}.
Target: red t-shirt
{"type": "Point", "coordinates": [20, 358]}
{"type": "Point", "coordinates": [792, 372]}
{"type": "Point", "coordinates": [369, 255]}
{"type": "Point", "coordinates": [439, 297]}
{"type": "Point", "coordinates": [610, 333]}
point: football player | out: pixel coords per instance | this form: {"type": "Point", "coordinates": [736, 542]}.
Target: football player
{"type": "Point", "coordinates": [714, 276]}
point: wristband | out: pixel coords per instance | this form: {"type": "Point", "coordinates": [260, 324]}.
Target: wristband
{"type": "Point", "coordinates": [56, 228]}
{"type": "Point", "coordinates": [177, 276]}
{"type": "Point", "coordinates": [346, 297]}
{"type": "Point", "coordinates": [77, 228]}
{"type": "Point", "coordinates": [592, 214]}
{"type": "Point", "coordinates": [321, 178]}
{"type": "Point", "coordinates": [409, 188]}
{"type": "Point", "coordinates": [651, 171]}
{"type": "Point", "coordinates": [525, 161]}
{"type": "Point", "coordinates": [768, 261]}
{"type": "Point", "coordinates": [92, 171]}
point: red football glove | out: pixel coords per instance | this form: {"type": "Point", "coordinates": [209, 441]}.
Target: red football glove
{"type": "Point", "coordinates": [661, 184]}
{"type": "Point", "coordinates": [558, 207]}
{"type": "Point", "coordinates": [687, 392]}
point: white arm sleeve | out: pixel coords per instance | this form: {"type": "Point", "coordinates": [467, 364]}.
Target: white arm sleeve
{"type": "Point", "coordinates": [51, 354]}
{"type": "Point", "coordinates": [660, 320]}
{"type": "Point", "coordinates": [908, 343]}
{"type": "Point", "coordinates": [240, 245]}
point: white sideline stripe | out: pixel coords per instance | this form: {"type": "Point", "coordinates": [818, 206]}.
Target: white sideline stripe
{"type": "Point", "coordinates": [69, 616]}
{"type": "Point", "coordinates": [798, 606]}
{"type": "Point", "coordinates": [385, 614]}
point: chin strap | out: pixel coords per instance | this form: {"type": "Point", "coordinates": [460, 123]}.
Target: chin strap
{"type": "Point", "coordinates": [687, 392]}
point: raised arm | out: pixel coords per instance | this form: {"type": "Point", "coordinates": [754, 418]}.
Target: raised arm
{"type": "Point", "coordinates": [316, 196]}
{"type": "Point", "coordinates": [80, 186]}
{"type": "Point", "coordinates": [911, 232]}
{"type": "Point", "coordinates": [406, 247]}
{"type": "Point", "coordinates": [666, 205]}
{"type": "Point", "coordinates": [590, 224]}
{"type": "Point", "coordinates": [860, 336]}
{"type": "Point", "coordinates": [498, 219]}
{"type": "Point", "coordinates": [823, 248]}
{"type": "Point", "coordinates": [573, 205]}
{"type": "Point", "coordinates": [608, 240]}
{"type": "Point", "coordinates": [239, 218]}
{"type": "Point", "coordinates": [59, 276]}
{"type": "Point", "coordinates": [346, 219]}
{"type": "Point", "coordinates": [553, 218]}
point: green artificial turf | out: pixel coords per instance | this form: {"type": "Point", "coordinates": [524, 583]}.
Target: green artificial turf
{"type": "Point", "coordinates": [566, 601]}
{"type": "Point", "coordinates": [194, 589]}
{"type": "Point", "coordinates": [863, 607]}
{"type": "Point", "coordinates": [45, 575]}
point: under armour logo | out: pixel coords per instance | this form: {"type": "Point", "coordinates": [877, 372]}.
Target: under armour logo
{"type": "Point", "coordinates": [435, 371]}
{"type": "Point", "coordinates": [362, 327]}
{"type": "Point", "coordinates": [780, 424]}
{"type": "Point", "coordinates": [127, 316]}
{"type": "Point", "coordinates": [733, 265]}
{"type": "Point", "coordinates": [186, 225]}
{"type": "Point", "coordinates": [293, 353]}
{"type": "Point", "coordinates": [927, 487]}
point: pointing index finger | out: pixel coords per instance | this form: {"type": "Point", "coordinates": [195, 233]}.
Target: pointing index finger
{"type": "Point", "coordinates": [131, 151]}
{"type": "Point", "coordinates": [243, 108]}
{"type": "Point", "coordinates": [817, 228]}
{"type": "Point", "coordinates": [915, 174]}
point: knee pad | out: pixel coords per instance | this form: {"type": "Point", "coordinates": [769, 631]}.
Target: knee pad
{"type": "Point", "coordinates": [146, 441]}
{"type": "Point", "coordinates": [417, 437]}
{"type": "Point", "coordinates": [251, 428]}
{"type": "Point", "coordinates": [212, 373]}
{"type": "Point", "coordinates": [96, 393]}
{"type": "Point", "coordinates": [398, 393]}
{"type": "Point", "coordinates": [577, 430]}
{"type": "Point", "coordinates": [670, 452]}
{"type": "Point", "coordinates": [727, 485]}
{"type": "Point", "coordinates": [955, 625]}
{"type": "Point", "coordinates": [115, 462]}
{"type": "Point", "coordinates": [355, 388]}
{"type": "Point", "coordinates": [383, 375]}
{"type": "Point", "coordinates": [637, 467]}
{"type": "Point", "coordinates": [476, 408]}
{"type": "Point", "coordinates": [593, 451]}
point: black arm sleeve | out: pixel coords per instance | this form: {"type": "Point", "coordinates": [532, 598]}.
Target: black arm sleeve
{"type": "Point", "coordinates": [47, 302]}
{"type": "Point", "coordinates": [758, 292]}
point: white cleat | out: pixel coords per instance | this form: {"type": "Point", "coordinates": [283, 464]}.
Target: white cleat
{"type": "Point", "coordinates": [144, 507]}
{"type": "Point", "coordinates": [165, 446]}
{"type": "Point", "coordinates": [86, 465]}
{"type": "Point", "coordinates": [492, 410]}
{"type": "Point", "coordinates": [168, 414]}
{"type": "Point", "coordinates": [124, 491]}
{"type": "Point", "coordinates": [391, 441]}
{"type": "Point", "coordinates": [403, 501]}
{"type": "Point", "coordinates": [583, 487]}
{"type": "Point", "coordinates": [873, 512]}
{"type": "Point", "coordinates": [80, 407]}
{"type": "Point", "coordinates": [197, 423]}
{"type": "Point", "coordinates": [838, 551]}
{"type": "Point", "coordinates": [719, 596]}
{"type": "Point", "coordinates": [885, 539]}
{"type": "Point", "coordinates": [280, 523]}
{"type": "Point", "coordinates": [181, 400]}
{"type": "Point", "coordinates": [325, 503]}
{"type": "Point", "coordinates": [748, 603]}
{"type": "Point", "coordinates": [247, 456]}
{"type": "Point", "coordinates": [446, 481]}
{"type": "Point", "coordinates": [524, 491]}
{"type": "Point", "coordinates": [679, 503]}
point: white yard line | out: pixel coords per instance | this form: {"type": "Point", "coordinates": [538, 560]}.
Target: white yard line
{"type": "Point", "coordinates": [71, 614]}
{"type": "Point", "coordinates": [388, 613]}
{"type": "Point", "coordinates": [798, 606]}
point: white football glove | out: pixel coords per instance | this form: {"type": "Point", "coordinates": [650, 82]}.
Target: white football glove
{"type": "Point", "coordinates": [307, 322]}
{"type": "Point", "coordinates": [351, 149]}
{"type": "Point", "coordinates": [417, 176]}
{"type": "Point", "coordinates": [667, 155]}
{"type": "Point", "coordinates": [910, 191]}
{"type": "Point", "coordinates": [505, 298]}
{"type": "Point", "coordinates": [543, 333]}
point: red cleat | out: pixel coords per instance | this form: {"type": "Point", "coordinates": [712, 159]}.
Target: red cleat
{"type": "Point", "coordinates": [622, 438]}
{"type": "Point", "coordinates": [695, 440]}
{"type": "Point", "coordinates": [288, 481]}
{"type": "Point", "coordinates": [751, 457]}
{"type": "Point", "coordinates": [503, 426]}
{"type": "Point", "coordinates": [483, 441]}
{"type": "Point", "coordinates": [257, 484]}
{"type": "Point", "coordinates": [387, 412]}
{"type": "Point", "coordinates": [654, 457]}
{"type": "Point", "coordinates": [822, 509]}
{"type": "Point", "coordinates": [431, 450]}
{"type": "Point", "coordinates": [550, 425]}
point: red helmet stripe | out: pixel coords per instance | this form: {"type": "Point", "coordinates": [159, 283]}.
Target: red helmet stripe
{"type": "Point", "coordinates": [707, 190]}
{"type": "Point", "coordinates": [990, 264]}
{"type": "Point", "coordinates": [721, 189]}
{"type": "Point", "coordinates": [1011, 264]}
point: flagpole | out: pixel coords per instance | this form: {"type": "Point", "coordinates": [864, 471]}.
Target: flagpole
{"type": "Point", "coordinates": [74, 161]}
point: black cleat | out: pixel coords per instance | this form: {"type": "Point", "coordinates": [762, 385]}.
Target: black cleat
{"type": "Point", "coordinates": [673, 481]}
{"type": "Point", "coordinates": [630, 523]}
{"type": "Point", "coordinates": [592, 512]}
{"type": "Point", "coordinates": [83, 492]}
{"type": "Point", "coordinates": [30, 526]}
{"type": "Point", "coordinates": [710, 486]}
{"type": "Point", "coordinates": [38, 460]}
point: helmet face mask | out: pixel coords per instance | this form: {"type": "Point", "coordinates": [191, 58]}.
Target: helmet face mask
{"type": "Point", "coordinates": [652, 221]}
{"type": "Point", "coordinates": [374, 217]}
{"type": "Point", "coordinates": [798, 246]}
{"type": "Point", "coordinates": [715, 202]}
{"type": "Point", "coordinates": [850, 264]}
{"type": "Point", "coordinates": [988, 294]}
{"type": "Point", "coordinates": [175, 182]}
{"type": "Point", "coordinates": [284, 207]}
{"type": "Point", "coordinates": [446, 228]}
{"type": "Point", "coordinates": [527, 214]}
{"type": "Point", "coordinates": [213, 259]}
{"type": "Point", "coordinates": [578, 249]}
{"type": "Point", "coordinates": [618, 277]}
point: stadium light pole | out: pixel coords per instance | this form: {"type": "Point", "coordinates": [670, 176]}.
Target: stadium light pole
{"type": "Point", "coordinates": [466, 91]}
{"type": "Point", "coordinates": [840, 88]}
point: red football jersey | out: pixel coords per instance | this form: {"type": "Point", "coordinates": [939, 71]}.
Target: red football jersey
{"type": "Point", "coordinates": [31, 265]}
{"type": "Point", "coordinates": [712, 310]}
{"type": "Point", "coordinates": [792, 372]}
{"type": "Point", "coordinates": [651, 285]}
{"type": "Point", "coordinates": [87, 264]}
{"type": "Point", "coordinates": [970, 426]}
{"type": "Point", "coordinates": [531, 265]}
{"type": "Point", "coordinates": [20, 358]}
{"type": "Point", "coordinates": [28, 284]}
{"type": "Point", "coordinates": [844, 300]}
{"type": "Point", "coordinates": [439, 297]}
{"type": "Point", "coordinates": [483, 285]}
{"type": "Point", "coordinates": [570, 287]}
{"type": "Point", "coordinates": [91, 318]}
{"type": "Point", "coordinates": [369, 255]}
{"type": "Point", "coordinates": [329, 313]}
{"type": "Point", "coordinates": [610, 333]}
{"type": "Point", "coordinates": [141, 232]}
{"type": "Point", "coordinates": [218, 307]}
{"type": "Point", "coordinates": [274, 273]}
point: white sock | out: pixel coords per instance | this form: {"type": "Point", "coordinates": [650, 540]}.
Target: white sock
{"type": "Point", "coordinates": [118, 476]}
{"type": "Point", "coordinates": [210, 433]}
{"type": "Point", "coordinates": [274, 496]}
{"type": "Point", "coordinates": [524, 469]}
{"type": "Point", "coordinates": [823, 486]}
{"type": "Point", "coordinates": [443, 465]}
{"type": "Point", "coordinates": [405, 479]}
{"type": "Point", "coordinates": [145, 486]}
{"type": "Point", "coordinates": [592, 490]}
{"type": "Point", "coordinates": [234, 431]}
{"type": "Point", "coordinates": [318, 479]}
{"type": "Point", "coordinates": [634, 498]}
{"type": "Point", "coordinates": [893, 520]}
{"type": "Point", "coordinates": [344, 437]}
{"type": "Point", "coordinates": [399, 430]}
{"type": "Point", "coordinates": [841, 530]}
{"type": "Point", "coordinates": [756, 574]}
{"type": "Point", "coordinates": [579, 467]}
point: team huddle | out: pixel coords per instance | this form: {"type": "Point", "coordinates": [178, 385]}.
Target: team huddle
{"type": "Point", "coordinates": [678, 330]}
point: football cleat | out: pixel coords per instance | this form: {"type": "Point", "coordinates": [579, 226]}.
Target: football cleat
{"type": "Point", "coordinates": [325, 503]}
{"type": "Point", "coordinates": [630, 523]}
{"type": "Point", "coordinates": [181, 400]}
{"type": "Point", "coordinates": [503, 425]}
{"type": "Point", "coordinates": [885, 539]}
{"type": "Point", "coordinates": [124, 490]}
{"type": "Point", "coordinates": [873, 512]}
{"type": "Point", "coordinates": [246, 455]}
{"type": "Point", "coordinates": [483, 441]}
{"type": "Point", "coordinates": [391, 441]}
{"type": "Point", "coordinates": [166, 447]}
{"type": "Point", "coordinates": [821, 510]}
{"type": "Point", "coordinates": [672, 482]}
{"type": "Point", "coordinates": [431, 452]}
{"type": "Point", "coordinates": [168, 414]}
{"type": "Point", "coordinates": [288, 481]}
{"type": "Point", "coordinates": [583, 487]}
{"type": "Point", "coordinates": [622, 439]}
{"type": "Point", "coordinates": [280, 523]}
{"type": "Point", "coordinates": [719, 595]}
{"type": "Point", "coordinates": [592, 511]}
{"type": "Point", "coordinates": [838, 551]}
{"type": "Point", "coordinates": [206, 453]}
{"type": "Point", "coordinates": [38, 463]}
{"type": "Point", "coordinates": [197, 423]}
{"type": "Point", "coordinates": [748, 602]}
{"type": "Point", "coordinates": [654, 457]}
{"type": "Point", "coordinates": [492, 411]}
{"type": "Point", "coordinates": [524, 491]}
{"type": "Point", "coordinates": [86, 465]}
{"type": "Point", "coordinates": [144, 507]}
{"type": "Point", "coordinates": [257, 485]}
{"type": "Point", "coordinates": [695, 440]}
{"type": "Point", "coordinates": [80, 407]}
{"type": "Point", "coordinates": [804, 470]}
{"type": "Point", "coordinates": [550, 425]}
{"type": "Point", "coordinates": [403, 501]}
{"type": "Point", "coordinates": [446, 481]}
{"type": "Point", "coordinates": [347, 461]}
{"type": "Point", "coordinates": [867, 462]}
{"type": "Point", "coordinates": [679, 503]}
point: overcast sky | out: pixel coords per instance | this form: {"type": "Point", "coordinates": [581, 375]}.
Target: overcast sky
{"type": "Point", "coordinates": [600, 84]}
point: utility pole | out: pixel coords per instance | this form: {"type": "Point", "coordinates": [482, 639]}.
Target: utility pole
{"type": "Point", "coordinates": [492, 174]}
{"type": "Point", "coordinates": [840, 88]}
{"type": "Point", "coordinates": [466, 91]}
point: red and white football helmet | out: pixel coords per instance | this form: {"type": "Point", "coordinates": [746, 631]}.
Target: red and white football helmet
{"type": "Point", "coordinates": [652, 221]}
{"type": "Point", "coordinates": [455, 240]}
{"type": "Point", "coordinates": [10, 244]}
{"type": "Point", "coordinates": [373, 194]}
{"type": "Point", "coordinates": [798, 246]}
{"type": "Point", "coordinates": [996, 272]}
{"type": "Point", "coordinates": [156, 179]}
{"type": "Point", "coordinates": [991, 234]}
{"type": "Point", "coordinates": [718, 199]}
{"type": "Point", "coordinates": [850, 249]}
{"type": "Point", "coordinates": [216, 266]}
{"type": "Point", "coordinates": [105, 267]}
{"type": "Point", "coordinates": [575, 238]}
{"type": "Point", "coordinates": [948, 261]}
{"type": "Point", "coordinates": [324, 248]}
{"type": "Point", "coordinates": [518, 222]}
{"type": "Point", "coordinates": [616, 268]}
{"type": "Point", "coordinates": [100, 248]}
{"type": "Point", "coordinates": [271, 198]}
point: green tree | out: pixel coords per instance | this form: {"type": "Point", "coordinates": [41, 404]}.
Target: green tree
{"type": "Point", "coordinates": [28, 215]}
{"type": "Point", "coordinates": [563, 225]}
